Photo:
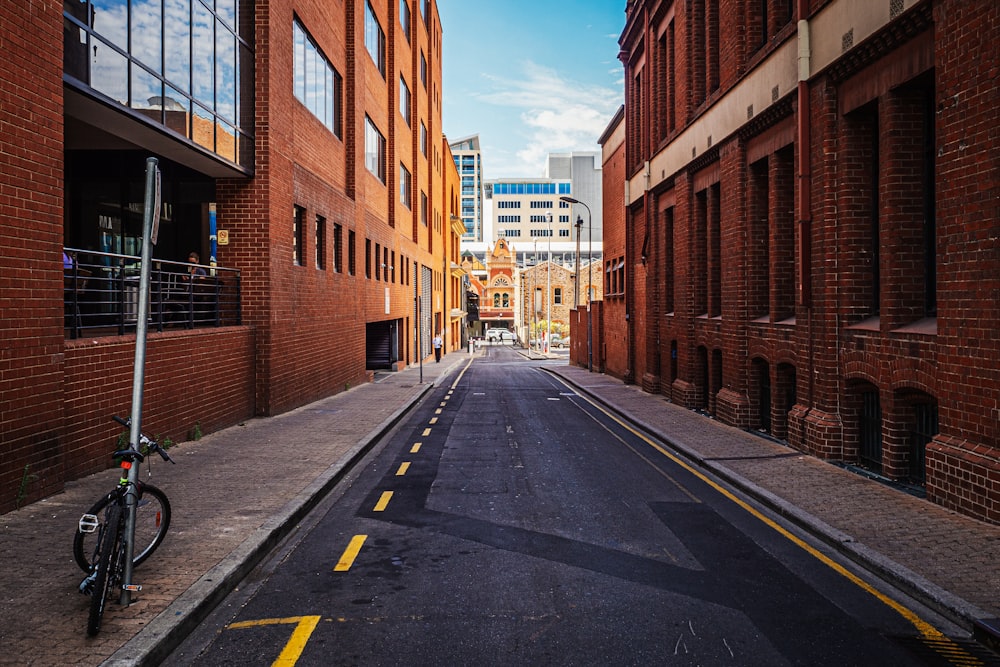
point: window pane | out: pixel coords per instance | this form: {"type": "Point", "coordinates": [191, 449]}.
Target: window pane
{"type": "Point", "coordinates": [147, 93]}
{"type": "Point", "coordinates": [225, 72]}
{"type": "Point", "coordinates": [177, 42]}
{"type": "Point", "coordinates": [109, 19]}
{"type": "Point", "coordinates": [147, 31]}
{"type": "Point", "coordinates": [203, 43]}
{"type": "Point", "coordinates": [203, 128]}
{"type": "Point", "coordinates": [177, 112]}
{"type": "Point", "coordinates": [109, 72]}
{"type": "Point", "coordinates": [225, 144]}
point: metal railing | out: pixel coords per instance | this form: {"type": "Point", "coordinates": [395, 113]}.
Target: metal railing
{"type": "Point", "coordinates": [101, 294]}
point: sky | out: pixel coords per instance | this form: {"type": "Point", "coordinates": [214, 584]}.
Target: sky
{"type": "Point", "coordinates": [530, 77]}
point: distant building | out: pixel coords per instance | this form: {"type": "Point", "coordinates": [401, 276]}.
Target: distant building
{"type": "Point", "coordinates": [469, 161]}
{"type": "Point", "coordinates": [521, 208]}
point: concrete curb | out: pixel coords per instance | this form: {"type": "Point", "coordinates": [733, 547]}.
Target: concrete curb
{"type": "Point", "coordinates": [165, 632]}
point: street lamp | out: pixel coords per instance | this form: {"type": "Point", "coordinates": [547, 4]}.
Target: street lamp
{"type": "Point", "coordinates": [548, 285]}
{"type": "Point", "coordinates": [590, 262]}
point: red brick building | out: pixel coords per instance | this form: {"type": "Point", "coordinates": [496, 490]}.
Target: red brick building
{"type": "Point", "coordinates": [810, 208]}
{"type": "Point", "coordinates": [301, 155]}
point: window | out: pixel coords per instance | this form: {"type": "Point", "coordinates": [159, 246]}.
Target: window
{"type": "Point", "coordinates": [374, 39]}
{"type": "Point", "coordinates": [423, 208]}
{"type": "Point", "coordinates": [404, 100]}
{"type": "Point", "coordinates": [368, 258]}
{"type": "Point", "coordinates": [298, 222]}
{"type": "Point", "coordinates": [338, 248]}
{"type": "Point", "coordinates": [423, 70]}
{"type": "Point", "coordinates": [351, 263]}
{"type": "Point", "coordinates": [423, 139]}
{"type": "Point", "coordinates": [317, 84]}
{"type": "Point", "coordinates": [542, 204]}
{"type": "Point", "coordinates": [405, 186]}
{"type": "Point", "coordinates": [564, 233]}
{"type": "Point", "coordinates": [320, 243]}
{"type": "Point", "coordinates": [378, 261]}
{"type": "Point", "coordinates": [374, 150]}
{"type": "Point", "coordinates": [557, 296]}
{"type": "Point", "coordinates": [404, 17]}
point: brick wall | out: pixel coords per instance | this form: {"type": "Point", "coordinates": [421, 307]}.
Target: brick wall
{"type": "Point", "coordinates": [31, 283]}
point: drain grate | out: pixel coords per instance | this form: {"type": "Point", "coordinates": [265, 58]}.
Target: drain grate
{"type": "Point", "coordinates": [949, 651]}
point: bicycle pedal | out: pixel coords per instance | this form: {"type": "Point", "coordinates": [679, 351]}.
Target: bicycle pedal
{"type": "Point", "coordinates": [89, 523]}
{"type": "Point", "coordinates": [132, 588]}
{"type": "Point", "coordinates": [87, 585]}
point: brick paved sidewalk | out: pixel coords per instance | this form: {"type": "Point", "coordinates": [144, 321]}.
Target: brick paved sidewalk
{"type": "Point", "coordinates": [943, 558]}
{"type": "Point", "coordinates": [234, 495]}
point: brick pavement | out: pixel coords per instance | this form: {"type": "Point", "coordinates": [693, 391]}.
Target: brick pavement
{"type": "Point", "coordinates": [235, 494]}
{"type": "Point", "coordinates": [945, 559]}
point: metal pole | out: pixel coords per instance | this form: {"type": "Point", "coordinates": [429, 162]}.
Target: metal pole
{"type": "Point", "coordinates": [150, 214]}
{"type": "Point", "coordinates": [576, 272]}
{"type": "Point", "coordinates": [548, 288]}
{"type": "Point", "coordinates": [590, 269]}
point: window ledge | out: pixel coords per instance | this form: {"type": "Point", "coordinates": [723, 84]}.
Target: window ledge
{"type": "Point", "coordinates": [926, 326]}
{"type": "Point", "coordinates": [871, 324]}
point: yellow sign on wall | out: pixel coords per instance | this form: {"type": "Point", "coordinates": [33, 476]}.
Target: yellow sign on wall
{"type": "Point", "coordinates": [222, 236]}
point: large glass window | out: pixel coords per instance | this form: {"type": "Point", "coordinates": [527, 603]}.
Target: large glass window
{"type": "Point", "coordinates": [404, 99]}
{"type": "Point", "coordinates": [374, 38]}
{"type": "Point", "coordinates": [317, 84]}
{"type": "Point", "coordinates": [374, 150]}
{"type": "Point", "coordinates": [404, 17]}
{"type": "Point", "coordinates": [184, 64]}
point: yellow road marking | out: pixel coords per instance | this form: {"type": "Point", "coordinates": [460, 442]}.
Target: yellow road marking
{"type": "Point", "coordinates": [415, 448]}
{"type": "Point", "coordinates": [927, 630]}
{"type": "Point", "coordinates": [350, 553]}
{"type": "Point", "coordinates": [427, 432]}
{"type": "Point", "coordinates": [403, 467]}
{"type": "Point", "coordinates": [383, 501]}
{"type": "Point", "coordinates": [304, 626]}
{"type": "Point", "coordinates": [438, 411]}
{"type": "Point", "coordinates": [434, 420]}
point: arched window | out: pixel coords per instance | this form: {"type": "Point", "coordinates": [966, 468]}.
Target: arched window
{"type": "Point", "coordinates": [496, 300]}
{"type": "Point", "coordinates": [506, 300]}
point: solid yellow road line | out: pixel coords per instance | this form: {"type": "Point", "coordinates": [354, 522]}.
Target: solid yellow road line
{"type": "Point", "coordinates": [415, 448]}
{"type": "Point", "coordinates": [304, 626]}
{"type": "Point", "coordinates": [403, 467]}
{"type": "Point", "coordinates": [383, 501]}
{"type": "Point", "coordinates": [926, 629]}
{"type": "Point", "coordinates": [350, 553]}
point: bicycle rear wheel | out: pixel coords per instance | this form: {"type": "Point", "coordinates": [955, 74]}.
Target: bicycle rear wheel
{"type": "Point", "coordinates": [152, 519]}
{"type": "Point", "coordinates": [109, 559]}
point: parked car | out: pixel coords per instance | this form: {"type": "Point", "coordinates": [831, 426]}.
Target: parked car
{"type": "Point", "coordinates": [559, 341]}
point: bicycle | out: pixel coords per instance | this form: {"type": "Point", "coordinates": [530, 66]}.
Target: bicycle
{"type": "Point", "coordinates": [99, 543]}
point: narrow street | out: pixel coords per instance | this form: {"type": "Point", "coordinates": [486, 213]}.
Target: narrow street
{"type": "Point", "coordinates": [509, 521]}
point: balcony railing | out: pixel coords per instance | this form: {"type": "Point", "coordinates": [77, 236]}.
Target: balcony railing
{"type": "Point", "coordinates": [101, 294]}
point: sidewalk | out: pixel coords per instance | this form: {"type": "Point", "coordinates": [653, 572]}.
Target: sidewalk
{"type": "Point", "coordinates": [236, 493]}
{"type": "Point", "coordinates": [944, 559]}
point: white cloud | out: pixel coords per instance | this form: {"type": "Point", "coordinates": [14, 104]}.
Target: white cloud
{"type": "Point", "coordinates": [556, 115]}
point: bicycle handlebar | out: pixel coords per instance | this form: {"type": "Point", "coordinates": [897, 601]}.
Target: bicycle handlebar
{"type": "Point", "coordinates": [143, 440]}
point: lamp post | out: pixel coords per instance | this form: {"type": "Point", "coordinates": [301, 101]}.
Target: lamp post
{"type": "Point", "coordinates": [548, 285]}
{"type": "Point", "coordinates": [576, 272]}
{"type": "Point", "coordinates": [590, 262]}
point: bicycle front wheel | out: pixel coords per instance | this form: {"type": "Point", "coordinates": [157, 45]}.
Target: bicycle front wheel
{"type": "Point", "coordinates": [152, 519]}
{"type": "Point", "coordinates": [109, 559]}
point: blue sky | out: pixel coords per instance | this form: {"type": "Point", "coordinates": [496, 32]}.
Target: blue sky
{"type": "Point", "coordinates": [530, 77]}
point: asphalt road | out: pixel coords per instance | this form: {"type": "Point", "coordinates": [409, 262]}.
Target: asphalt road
{"type": "Point", "coordinates": [510, 522]}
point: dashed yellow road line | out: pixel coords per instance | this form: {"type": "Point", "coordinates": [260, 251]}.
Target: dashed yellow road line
{"type": "Point", "coordinates": [304, 626]}
{"type": "Point", "coordinates": [403, 467]}
{"type": "Point", "coordinates": [426, 432]}
{"type": "Point", "coordinates": [415, 448]}
{"type": "Point", "coordinates": [383, 501]}
{"type": "Point", "coordinates": [350, 553]}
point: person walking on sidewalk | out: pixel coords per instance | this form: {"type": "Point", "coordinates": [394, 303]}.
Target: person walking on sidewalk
{"type": "Point", "coordinates": [437, 348]}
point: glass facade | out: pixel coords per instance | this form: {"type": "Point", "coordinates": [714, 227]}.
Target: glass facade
{"type": "Point", "coordinates": [563, 188]}
{"type": "Point", "coordinates": [184, 64]}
